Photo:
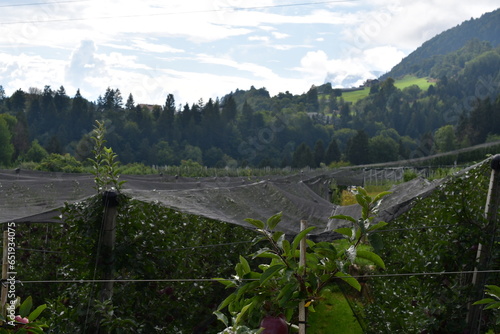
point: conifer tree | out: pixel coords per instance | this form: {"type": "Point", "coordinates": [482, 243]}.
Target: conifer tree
{"type": "Point", "coordinates": [358, 152]}
{"type": "Point", "coordinates": [302, 157]}
{"type": "Point", "coordinates": [332, 152]}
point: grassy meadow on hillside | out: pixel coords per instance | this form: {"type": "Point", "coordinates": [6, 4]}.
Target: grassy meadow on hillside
{"type": "Point", "coordinates": [406, 81]}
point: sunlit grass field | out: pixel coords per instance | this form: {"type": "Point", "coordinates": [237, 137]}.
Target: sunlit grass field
{"type": "Point", "coordinates": [410, 80]}
{"type": "Point", "coordinates": [407, 81]}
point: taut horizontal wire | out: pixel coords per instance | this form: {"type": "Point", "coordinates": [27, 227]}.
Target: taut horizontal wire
{"type": "Point", "coordinates": [187, 280]}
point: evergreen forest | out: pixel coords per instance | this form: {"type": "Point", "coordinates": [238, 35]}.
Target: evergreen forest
{"type": "Point", "coordinates": [460, 108]}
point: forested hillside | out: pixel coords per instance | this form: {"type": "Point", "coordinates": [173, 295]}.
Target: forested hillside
{"type": "Point", "coordinates": [485, 28]}
{"type": "Point", "coordinates": [460, 107]}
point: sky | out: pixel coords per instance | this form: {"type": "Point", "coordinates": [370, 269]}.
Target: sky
{"type": "Point", "coordinates": [202, 49]}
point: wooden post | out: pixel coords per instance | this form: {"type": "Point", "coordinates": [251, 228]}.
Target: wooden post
{"type": "Point", "coordinates": [5, 269]}
{"type": "Point", "coordinates": [302, 263]}
{"type": "Point", "coordinates": [107, 256]}
{"type": "Point", "coordinates": [484, 251]}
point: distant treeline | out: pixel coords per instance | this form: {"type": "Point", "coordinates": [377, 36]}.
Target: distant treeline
{"type": "Point", "coordinates": [251, 128]}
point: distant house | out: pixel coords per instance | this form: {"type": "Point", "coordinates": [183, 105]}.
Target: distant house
{"type": "Point", "coordinates": [149, 107]}
{"type": "Point", "coordinates": [371, 82]}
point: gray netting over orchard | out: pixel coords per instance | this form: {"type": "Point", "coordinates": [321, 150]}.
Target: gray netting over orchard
{"type": "Point", "coordinates": [29, 196]}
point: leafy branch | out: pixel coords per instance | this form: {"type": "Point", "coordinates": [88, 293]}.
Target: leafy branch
{"type": "Point", "coordinates": [278, 287]}
{"type": "Point", "coordinates": [105, 164]}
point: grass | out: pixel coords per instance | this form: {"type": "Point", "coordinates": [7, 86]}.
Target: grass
{"type": "Point", "coordinates": [407, 81]}
{"type": "Point", "coordinates": [333, 315]}
{"type": "Point", "coordinates": [410, 80]}
{"type": "Point", "coordinates": [356, 95]}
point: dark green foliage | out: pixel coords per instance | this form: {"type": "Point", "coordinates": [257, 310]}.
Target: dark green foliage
{"type": "Point", "coordinates": [60, 163]}
{"type": "Point", "coordinates": [332, 153]}
{"type": "Point", "coordinates": [312, 103]}
{"type": "Point", "coordinates": [482, 121]}
{"type": "Point", "coordinates": [303, 157]}
{"type": "Point", "coordinates": [152, 243]}
{"type": "Point", "coordinates": [382, 148]}
{"type": "Point", "coordinates": [485, 28]}
{"type": "Point", "coordinates": [36, 153]}
{"type": "Point", "coordinates": [440, 234]}
{"type": "Point", "coordinates": [358, 151]}
{"type": "Point", "coordinates": [6, 147]}
{"type": "Point", "coordinates": [319, 153]}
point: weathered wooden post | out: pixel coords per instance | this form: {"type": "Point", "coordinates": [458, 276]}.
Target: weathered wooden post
{"type": "Point", "coordinates": [484, 251]}
{"type": "Point", "coordinates": [107, 256]}
{"type": "Point", "coordinates": [302, 263]}
{"type": "Point", "coordinates": [5, 269]}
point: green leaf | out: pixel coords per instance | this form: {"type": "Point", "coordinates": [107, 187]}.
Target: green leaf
{"type": "Point", "coordinates": [228, 283]}
{"type": "Point", "coordinates": [349, 280]}
{"type": "Point", "coordinates": [344, 217]}
{"type": "Point", "coordinates": [493, 306]}
{"type": "Point", "coordinates": [286, 247]}
{"type": "Point", "coordinates": [24, 309]}
{"type": "Point", "coordinates": [312, 261]}
{"type": "Point", "coordinates": [347, 231]}
{"type": "Point", "coordinates": [286, 293]}
{"type": "Point", "coordinates": [270, 272]}
{"type": "Point", "coordinates": [310, 243]}
{"type": "Point", "coordinates": [239, 270]}
{"type": "Point", "coordinates": [33, 315]}
{"type": "Point", "coordinates": [377, 226]}
{"type": "Point", "coordinates": [484, 301]}
{"type": "Point", "coordinates": [370, 256]}
{"type": "Point", "coordinates": [267, 254]}
{"type": "Point", "coordinates": [274, 220]}
{"type": "Point", "coordinates": [222, 317]}
{"type": "Point", "coordinates": [324, 248]}
{"type": "Point", "coordinates": [493, 290]}
{"type": "Point", "coordinates": [244, 310]}
{"type": "Point", "coordinates": [362, 200]}
{"type": "Point", "coordinates": [226, 301]}
{"type": "Point", "coordinates": [245, 266]}
{"type": "Point", "coordinates": [257, 223]}
{"type": "Point", "coordinates": [300, 236]}
{"type": "Point", "coordinates": [379, 196]}
{"type": "Point", "coordinates": [277, 236]}
{"type": "Point", "coordinates": [362, 191]}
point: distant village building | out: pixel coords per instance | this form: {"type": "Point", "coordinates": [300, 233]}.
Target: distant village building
{"type": "Point", "coordinates": [149, 107]}
{"type": "Point", "coordinates": [371, 82]}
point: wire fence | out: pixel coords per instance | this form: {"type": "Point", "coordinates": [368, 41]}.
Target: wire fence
{"type": "Point", "coordinates": [187, 280]}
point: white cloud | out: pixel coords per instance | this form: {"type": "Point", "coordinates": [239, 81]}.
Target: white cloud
{"type": "Point", "coordinates": [256, 70]}
{"type": "Point", "coordinates": [316, 65]}
{"type": "Point", "coordinates": [84, 63]}
{"type": "Point", "coordinates": [148, 47]}
{"type": "Point", "coordinates": [279, 35]}
{"type": "Point", "coordinates": [408, 24]}
{"type": "Point", "coordinates": [258, 38]}
{"type": "Point", "coordinates": [157, 47]}
{"type": "Point", "coordinates": [382, 58]}
{"type": "Point", "coordinates": [27, 71]}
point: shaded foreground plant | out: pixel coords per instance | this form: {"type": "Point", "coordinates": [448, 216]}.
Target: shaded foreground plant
{"type": "Point", "coordinates": [277, 287]}
{"type": "Point", "coordinates": [24, 320]}
{"type": "Point", "coordinates": [492, 302]}
{"type": "Point", "coordinates": [430, 253]}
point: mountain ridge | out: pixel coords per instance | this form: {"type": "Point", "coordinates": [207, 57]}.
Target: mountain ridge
{"type": "Point", "coordinates": [484, 28]}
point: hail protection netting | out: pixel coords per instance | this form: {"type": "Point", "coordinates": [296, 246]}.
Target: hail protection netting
{"type": "Point", "coordinates": [29, 196]}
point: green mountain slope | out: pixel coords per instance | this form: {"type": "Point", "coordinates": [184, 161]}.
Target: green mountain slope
{"type": "Point", "coordinates": [485, 28]}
